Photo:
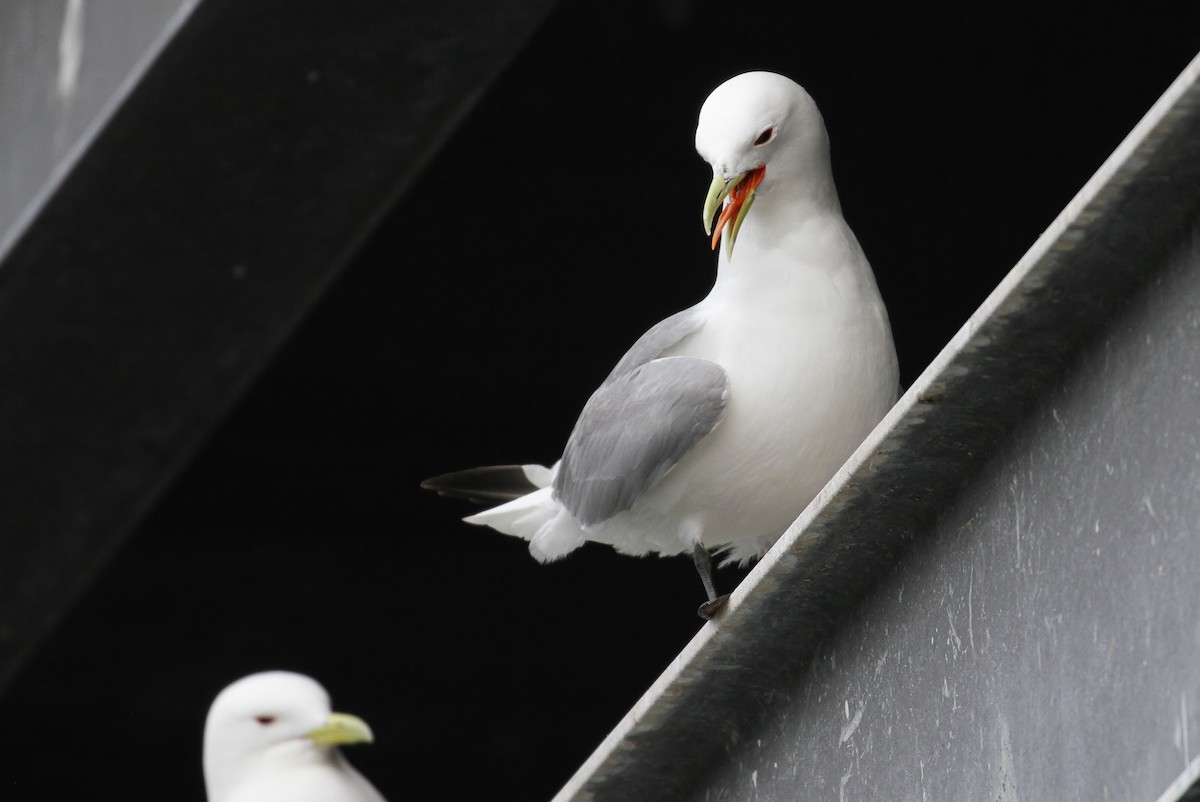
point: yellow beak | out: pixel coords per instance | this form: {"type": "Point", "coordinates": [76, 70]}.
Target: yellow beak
{"type": "Point", "coordinates": [340, 729]}
{"type": "Point", "coordinates": [718, 190]}
{"type": "Point", "coordinates": [739, 190]}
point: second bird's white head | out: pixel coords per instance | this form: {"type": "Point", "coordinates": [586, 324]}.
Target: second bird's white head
{"type": "Point", "coordinates": [263, 727]}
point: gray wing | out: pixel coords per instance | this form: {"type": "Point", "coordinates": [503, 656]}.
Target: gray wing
{"type": "Point", "coordinates": [659, 338]}
{"type": "Point", "coordinates": [634, 429]}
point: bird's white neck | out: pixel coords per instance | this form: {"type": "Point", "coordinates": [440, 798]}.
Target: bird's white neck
{"type": "Point", "coordinates": [225, 770]}
{"type": "Point", "coordinates": [797, 186]}
{"type": "Point", "coordinates": [795, 220]}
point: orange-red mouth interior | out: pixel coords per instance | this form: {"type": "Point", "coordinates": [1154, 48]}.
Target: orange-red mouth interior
{"type": "Point", "coordinates": [735, 200]}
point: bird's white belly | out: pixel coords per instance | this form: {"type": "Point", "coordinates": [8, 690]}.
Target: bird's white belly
{"type": "Point", "coordinates": [793, 416]}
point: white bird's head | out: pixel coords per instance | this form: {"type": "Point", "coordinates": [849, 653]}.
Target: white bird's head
{"type": "Point", "coordinates": [758, 130]}
{"type": "Point", "coordinates": [269, 722]}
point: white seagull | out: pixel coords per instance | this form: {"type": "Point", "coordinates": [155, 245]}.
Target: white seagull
{"type": "Point", "coordinates": [723, 421]}
{"type": "Point", "coordinates": [270, 737]}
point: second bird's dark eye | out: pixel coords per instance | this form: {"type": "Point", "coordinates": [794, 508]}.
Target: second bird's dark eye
{"type": "Point", "coordinates": [265, 720]}
{"type": "Point", "coordinates": [764, 137]}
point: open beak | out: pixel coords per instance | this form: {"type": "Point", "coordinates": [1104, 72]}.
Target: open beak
{"type": "Point", "coordinates": [737, 194]}
{"type": "Point", "coordinates": [340, 729]}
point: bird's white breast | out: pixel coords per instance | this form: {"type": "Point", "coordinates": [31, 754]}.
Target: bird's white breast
{"type": "Point", "coordinates": [318, 782]}
{"type": "Point", "coordinates": [804, 338]}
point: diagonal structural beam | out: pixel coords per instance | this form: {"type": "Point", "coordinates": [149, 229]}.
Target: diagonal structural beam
{"type": "Point", "coordinates": [207, 215]}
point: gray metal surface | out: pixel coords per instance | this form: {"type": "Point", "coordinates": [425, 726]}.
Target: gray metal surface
{"type": "Point", "coordinates": [65, 65]}
{"type": "Point", "coordinates": [1041, 640]}
{"type": "Point", "coordinates": [206, 215]}
{"type": "Point", "coordinates": [996, 597]}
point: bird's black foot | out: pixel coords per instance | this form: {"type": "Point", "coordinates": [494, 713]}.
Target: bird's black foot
{"type": "Point", "coordinates": [712, 607]}
{"type": "Point", "coordinates": [715, 603]}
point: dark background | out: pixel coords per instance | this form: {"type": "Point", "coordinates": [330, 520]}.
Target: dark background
{"type": "Point", "coordinates": [560, 221]}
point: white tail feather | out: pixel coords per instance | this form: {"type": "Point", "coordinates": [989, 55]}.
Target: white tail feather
{"type": "Point", "coordinates": [538, 518]}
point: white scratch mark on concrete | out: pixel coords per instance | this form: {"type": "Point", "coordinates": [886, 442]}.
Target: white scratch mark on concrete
{"type": "Point", "coordinates": [1149, 507]}
{"type": "Point", "coordinates": [1183, 716]}
{"type": "Point", "coordinates": [971, 610]}
{"type": "Point", "coordinates": [1017, 519]}
{"type": "Point", "coordinates": [953, 640]}
{"type": "Point", "coordinates": [70, 50]}
{"type": "Point", "coordinates": [842, 785]}
{"type": "Point", "coordinates": [1008, 769]}
{"type": "Point", "coordinates": [852, 726]}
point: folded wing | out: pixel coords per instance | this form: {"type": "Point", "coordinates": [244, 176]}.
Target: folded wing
{"type": "Point", "coordinates": [634, 429]}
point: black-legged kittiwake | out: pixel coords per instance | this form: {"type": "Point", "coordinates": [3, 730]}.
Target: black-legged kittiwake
{"type": "Point", "coordinates": [271, 737]}
{"type": "Point", "coordinates": [724, 421]}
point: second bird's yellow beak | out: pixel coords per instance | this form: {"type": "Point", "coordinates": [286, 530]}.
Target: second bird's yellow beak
{"type": "Point", "coordinates": [340, 729]}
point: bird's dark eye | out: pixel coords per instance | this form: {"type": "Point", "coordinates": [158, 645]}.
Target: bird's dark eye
{"type": "Point", "coordinates": [764, 137]}
{"type": "Point", "coordinates": [265, 720]}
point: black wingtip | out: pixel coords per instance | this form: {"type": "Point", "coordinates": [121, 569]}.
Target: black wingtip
{"type": "Point", "coordinates": [487, 485]}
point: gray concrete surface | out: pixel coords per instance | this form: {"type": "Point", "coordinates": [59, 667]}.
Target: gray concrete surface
{"type": "Point", "coordinates": [65, 65]}
{"type": "Point", "coordinates": [1041, 641]}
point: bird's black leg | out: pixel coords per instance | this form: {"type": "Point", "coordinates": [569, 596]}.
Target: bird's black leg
{"type": "Point", "coordinates": [704, 567]}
